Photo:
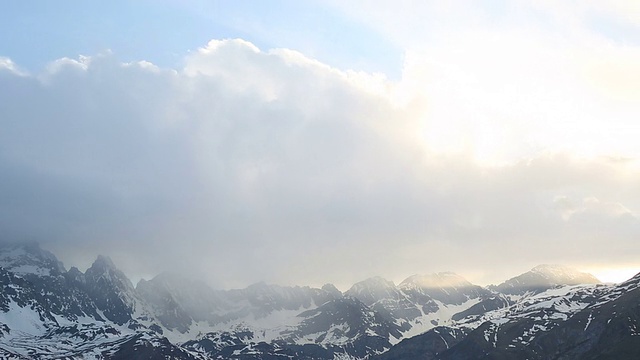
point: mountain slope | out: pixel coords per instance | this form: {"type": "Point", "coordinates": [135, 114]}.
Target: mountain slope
{"type": "Point", "coordinates": [48, 312]}
{"type": "Point", "coordinates": [609, 329]}
{"type": "Point", "coordinates": [544, 277]}
{"type": "Point", "coordinates": [511, 327]}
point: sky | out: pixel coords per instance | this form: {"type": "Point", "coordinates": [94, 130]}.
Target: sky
{"type": "Point", "coordinates": [302, 143]}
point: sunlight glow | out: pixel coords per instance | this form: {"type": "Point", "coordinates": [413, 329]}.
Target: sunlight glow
{"type": "Point", "coordinates": [615, 275]}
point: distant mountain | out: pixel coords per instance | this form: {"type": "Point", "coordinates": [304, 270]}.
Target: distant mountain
{"type": "Point", "coordinates": [420, 302]}
{"type": "Point", "coordinates": [574, 322]}
{"type": "Point", "coordinates": [47, 312]}
{"type": "Point", "coordinates": [445, 287]}
{"type": "Point", "coordinates": [29, 260]}
{"type": "Point", "coordinates": [544, 277]}
{"type": "Point", "coordinates": [565, 321]}
{"type": "Point", "coordinates": [539, 279]}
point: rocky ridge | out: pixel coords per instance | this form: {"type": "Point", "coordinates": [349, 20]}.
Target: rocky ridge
{"type": "Point", "coordinates": [49, 312]}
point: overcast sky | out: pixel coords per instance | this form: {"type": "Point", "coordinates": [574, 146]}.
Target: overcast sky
{"type": "Point", "coordinates": [323, 141]}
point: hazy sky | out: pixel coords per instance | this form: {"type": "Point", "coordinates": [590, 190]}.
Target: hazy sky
{"type": "Point", "coordinates": [323, 141]}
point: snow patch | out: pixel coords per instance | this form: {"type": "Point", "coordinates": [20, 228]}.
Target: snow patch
{"type": "Point", "coordinates": [22, 320]}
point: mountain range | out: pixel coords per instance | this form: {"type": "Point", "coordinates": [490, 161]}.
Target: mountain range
{"type": "Point", "coordinates": [549, 312]}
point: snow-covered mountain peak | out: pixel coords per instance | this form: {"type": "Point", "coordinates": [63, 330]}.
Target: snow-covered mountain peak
{"type": "Point", "coordinates": [103, 270]}
{"type": "Point", "coordinates": [543, 277]}
{"type": "Point", "coordinates": [29, 258]}
{"type": "Point", "coordinates": [561, 274]}
{"type": "Point", "coordinates": [435, 281]}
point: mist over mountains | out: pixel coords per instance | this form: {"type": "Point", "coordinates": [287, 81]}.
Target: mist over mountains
{"type": "Point", "coordinates": [257, 162]}
{"type": "Point", "coordinates": [269, 154]}
{"type": "Point", "coordinates": [49, 312]}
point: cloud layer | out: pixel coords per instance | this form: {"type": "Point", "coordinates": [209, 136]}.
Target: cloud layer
{"type": "Point", "coordinates": [248, 165]}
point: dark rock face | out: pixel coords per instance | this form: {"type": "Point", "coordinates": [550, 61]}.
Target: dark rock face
{"type": "Point", "coordinates": [607, 330]}
{"type": "Point", "coordinates": [346, 318]}
{"type": "Point", "coordinates": [339, 326]}
{"type": "Point", "coordinates": [227, 346]}
{"type": "Point", "coordinates": [110, 290]}
{"type": "Point", "coordinates": [139, 347]}
{"type": "Point", "coordinates": [426, 346]}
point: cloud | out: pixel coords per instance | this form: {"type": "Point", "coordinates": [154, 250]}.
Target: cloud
{"type": "Point", "coordinates": [248, 165]}
{"type": "Point", "coordinates": [532, 76]}
{"type": "Point", "coordinates": [7, 66]}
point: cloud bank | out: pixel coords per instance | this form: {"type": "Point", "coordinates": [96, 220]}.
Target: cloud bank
{"type": "Point", "coordinates": [249, 165]}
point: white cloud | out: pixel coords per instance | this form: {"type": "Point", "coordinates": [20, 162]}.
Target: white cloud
{"type": "Point", "coordinates": [7, 64]}
{"type": "Point", "coordinates": [591, 205]}
{"type": "Point", "coordinates": [255, 165]}
{"type": "Point", "coordinates": [506, 80]}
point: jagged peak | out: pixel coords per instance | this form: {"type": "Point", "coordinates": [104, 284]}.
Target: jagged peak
{"type": "Point", "coordinates": [104, 262]}
{"type": "Point", "coordinates": [331, 289]}
{"type": "Point", "coordinates": [103, 267]}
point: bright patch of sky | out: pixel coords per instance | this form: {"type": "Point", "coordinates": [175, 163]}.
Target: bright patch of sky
{"type": "Point", "coordinates": [614, 274]}
{"type": "Point", "coordinates": [620, 32]}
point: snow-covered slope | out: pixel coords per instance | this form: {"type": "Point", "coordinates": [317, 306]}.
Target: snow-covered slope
{"type": "Point", "coordinates": [420, 302]}
{"type": "Point", "coordinates": [541, 324]}
{"type": "Point", "coordinates": [47, 312]}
